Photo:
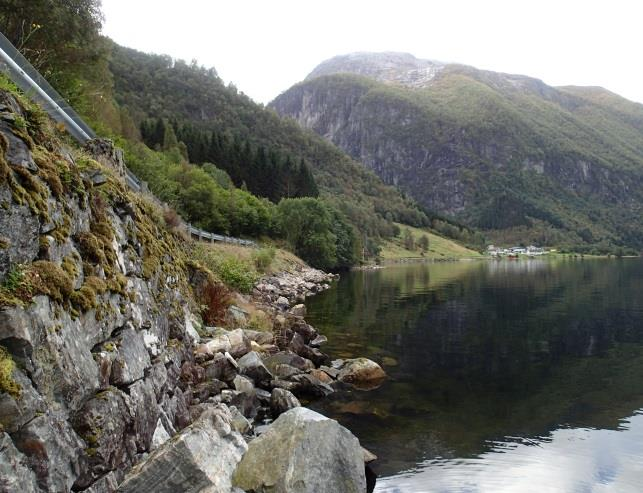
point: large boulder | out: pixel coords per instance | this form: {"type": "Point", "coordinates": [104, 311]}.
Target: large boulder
{"type": "Point", "coordinates": [201, 458]}
{"type": "Point", "coordinates": [303, 452]}
{"type": "Point", "coordinates": [361, 371]}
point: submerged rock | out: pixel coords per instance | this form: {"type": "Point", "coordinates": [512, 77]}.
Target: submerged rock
{"type": "Point", "coordinates": [201, 458]}
{"type": "Point", "coordinates": [361, 371]}
{"type": "Point", "coordinates": [303, 452]}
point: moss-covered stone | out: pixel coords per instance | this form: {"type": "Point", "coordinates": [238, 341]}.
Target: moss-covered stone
{"type": "Point", "coordinates": [83, 299]}
{"type": "Point", "coordinates": [29, 190]}
{"type": "Point", "coordinates": [49, 279]}
{"type": "Point", "coordinates": [7, 383]}
{"type": "Point", "coordinates": [69, 266]}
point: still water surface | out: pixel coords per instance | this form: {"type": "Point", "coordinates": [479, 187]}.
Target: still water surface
{"type": "Point", "coordinates": [509, 376]}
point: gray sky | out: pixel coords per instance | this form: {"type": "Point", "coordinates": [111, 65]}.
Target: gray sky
{"type": "Point", "coordinates": [264, 47]}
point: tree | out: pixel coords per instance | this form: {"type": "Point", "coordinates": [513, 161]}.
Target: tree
{"type": "Point", "coordinates": [423, 243]}
{"type": "Point", "coordinates": [61, 38]}
{"type": "Point", "coordinates": [347, 246]}
{"type": "Point", "coordinates": [169, 137]}
{"type": "Point", "coordinates": [306, 223]}
{"type": "Point", "coordinates": [409, 240]}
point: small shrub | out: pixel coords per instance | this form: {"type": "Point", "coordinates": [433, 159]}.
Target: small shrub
{"type": "Point", "coordinates": [263, 259]}
{"type": "Point", "coordinates": [171, 218]}
{"type": "Point", "coordinates": [14, 278]}
{"type": "Point", "coordinates": [215, 299]}
{"type": "Point", "coordinates": [17, 287]}
{"type": "Point", "coordinates": [237, 274]}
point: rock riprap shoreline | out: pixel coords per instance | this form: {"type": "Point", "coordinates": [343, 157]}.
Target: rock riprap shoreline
{"type": "Point", "coordinates": [108, 380]}
{"type": "Point", "coordinates": [246, 386]}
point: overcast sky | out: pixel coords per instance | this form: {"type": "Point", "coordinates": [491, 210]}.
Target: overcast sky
{"type": "Point", "coordinates": [264, 46]}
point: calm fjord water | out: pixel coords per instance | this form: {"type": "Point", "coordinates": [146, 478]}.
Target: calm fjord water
{"type": "Point", "coordinates": [517, 376]}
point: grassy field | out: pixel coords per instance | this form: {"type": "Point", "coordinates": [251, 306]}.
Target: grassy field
{"type": "Point", "coordinates": [439, 248]}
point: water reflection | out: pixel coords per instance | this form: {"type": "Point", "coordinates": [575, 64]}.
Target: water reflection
{"type": "Point", "coordinates": [484, 350]}
{"type": "Point", "coordinates": [570, 460]}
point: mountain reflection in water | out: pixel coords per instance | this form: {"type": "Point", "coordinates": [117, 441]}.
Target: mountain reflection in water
{"type": "Point", "coordinates": [504, 376]}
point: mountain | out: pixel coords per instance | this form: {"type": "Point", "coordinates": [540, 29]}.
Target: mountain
{"type": "Point", "coordinates": [521, 160]}
{"type": "Point", "coordinates": [156, 86]}
{"type": "Point", "coordinates": [221, 161]}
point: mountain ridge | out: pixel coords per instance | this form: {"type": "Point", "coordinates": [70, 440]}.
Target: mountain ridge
{"type": "Point", "coordinates": [507, 153]}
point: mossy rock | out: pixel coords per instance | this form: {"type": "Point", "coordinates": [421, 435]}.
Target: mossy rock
{"type": "Point", "coordinates": [7, 383]}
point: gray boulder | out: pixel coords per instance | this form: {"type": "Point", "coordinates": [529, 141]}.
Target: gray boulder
{"type": "Point", "coordinates": [201, 459]}
{"type": "Point", "coordinates": [131, 358]}
{"type": "Point", "coordinates": [298, 310]}
{"type": "Point", "coordinates": [251, 366]}
{"type": "Point", "coordinates": [303, 452]}
{"type": "Point", "coordinates": [287, 358]}
{"type": "Point", "coordinates": [14, 473]}
{"type": "Point", "coordinates": [283, 370]}
{"type": "Point", "coordinates": [312, 386]}
{"type": "Point", "coordinates": [318, 341]}
{"type": "Point", "coordinates": [281, 400]}
{"type": "Point", "coordinates": [239, 343]}
{"type": "Point", "coordinates": [105, 424]}
{"type": "Point", "coordinates": [282, 303]}
{"type": "Point", "coordinates": [236, 316]}
{"type": "Point", "coordinates": [243, 384]}
{"type": "Point", "coordinates": [53, 451]}
{"type": "Point", "coordinates": [235, 342]}
{"type": "Point", "coordinates": [16, 411]}
{"type": "Point", "coordinates": [259, 337]}
{"type": "Point", "coordinates": [239, 421]}
{"type": "Point", "coordinates": [220, 368]}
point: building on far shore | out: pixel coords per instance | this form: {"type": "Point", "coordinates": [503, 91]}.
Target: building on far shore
{"type": "Point", "coordinates": [515, 251]}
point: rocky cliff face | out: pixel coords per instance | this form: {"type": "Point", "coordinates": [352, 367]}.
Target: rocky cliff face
{"type": "Point", "coordinates": [104, 363]}
{"type": "Point", "coordinates": [496, 151]}
{"type": "Point", "coordinates": [96, 316]}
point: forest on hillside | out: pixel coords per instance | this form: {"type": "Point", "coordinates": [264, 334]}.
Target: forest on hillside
{"type": "Point", "coordinates": [224, 162]}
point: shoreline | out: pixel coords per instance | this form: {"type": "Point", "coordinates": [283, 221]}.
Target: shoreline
{"type": "Point", "coordinates": [419, 260]}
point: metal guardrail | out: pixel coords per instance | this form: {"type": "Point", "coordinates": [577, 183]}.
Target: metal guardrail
{"type": "Point", "coordinates": [36, 87]}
